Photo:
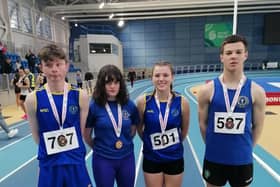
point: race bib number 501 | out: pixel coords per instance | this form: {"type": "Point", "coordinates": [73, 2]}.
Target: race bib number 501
{"type": "Point", "coordinates": [61, 140]}
{"type": "Point", "coordinates": [165, 139]}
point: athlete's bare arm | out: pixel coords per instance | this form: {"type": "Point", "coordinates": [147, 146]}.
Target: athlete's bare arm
{"type": "Point", "coordinates": [258, 96]}
{"type": "Point", "coordinates": [185, 118]}
{"type": "Point", "coordinates": [204, 97]}
{"type": "Point", "coordinates": [141, 106]}
{"type": "Point", "coordinates": [30, 103]}
{"type": "Point", "coordinates": [84, 105]}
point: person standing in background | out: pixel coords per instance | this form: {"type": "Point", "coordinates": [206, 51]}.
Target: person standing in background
{"type": "Point", "coordinates": [113, 118]}
{"type": "Point", "coordinates": [89, 82]}
{"type": "Point", "coordinates": [131, 76]}
{"type": "Point", "coordinates": [79, 79]}
{"type": "Point", "coordinates": [231, 112]}
{"type": "Point", "coordinates": [164, 124]}
{"type": "Point", "coordinates": [31, 59]}
{"type": "Point", "coordinates": [24, 85]}
{"type": "Point", "coordinates": [57, 114]}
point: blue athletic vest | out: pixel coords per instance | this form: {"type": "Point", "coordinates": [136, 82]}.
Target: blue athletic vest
{"type": "Point", "coordinates": [231, 149]}
{"type": "Point", "coordinates": [152, 125]}
{"type": "Point", "coordinates": [47, 122]}
{"type": "Point", "coordinates": [104, 135]}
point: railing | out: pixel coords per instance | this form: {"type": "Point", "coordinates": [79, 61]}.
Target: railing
{"type": "Point", "coordinates": [5, 79]}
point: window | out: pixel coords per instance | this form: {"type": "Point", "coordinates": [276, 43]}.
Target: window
{"type": "Point", "coordinates": [13, 9]}
{"type": "Point", "coordinates": [97, 48]}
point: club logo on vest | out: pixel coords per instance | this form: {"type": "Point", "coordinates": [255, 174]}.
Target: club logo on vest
{"type": "Point", "coordinates": [73, 109]}
{"type": "Point", "coordinates": [243, 101]}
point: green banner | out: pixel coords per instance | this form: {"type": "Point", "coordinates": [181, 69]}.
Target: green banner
{"type": "Point", "coordinates": [214, 34]}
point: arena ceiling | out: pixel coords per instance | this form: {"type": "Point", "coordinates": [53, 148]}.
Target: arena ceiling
{"type": "Point", "coordinates": [88, 10]}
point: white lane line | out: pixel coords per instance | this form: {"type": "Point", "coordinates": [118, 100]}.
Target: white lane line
{"type": "Point", "coordinates": [273, 173]}
{"type": "Point", "coordinates": [14, 142]}
{"type": "Point", "coordinates": [138, 165]}
{"type": "Point", "coordinates": [17, 169]}
{"type": "Point", "coordinates": [15, 126]}
{"type": "Point", "coordinates": [196, 159]}
{"type": "Point", "coordinates": [266, 167]}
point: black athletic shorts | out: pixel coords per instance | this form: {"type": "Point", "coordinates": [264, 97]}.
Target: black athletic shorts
{"type": "Point", "coordinates": [219, 174]}
{"type": "Point", "coordinates": [170, 168]}
{"type": "Point", "coordinates": [22, 97]}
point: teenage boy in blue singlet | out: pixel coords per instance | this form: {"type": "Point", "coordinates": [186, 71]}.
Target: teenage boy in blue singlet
{"type": "Point", "coordinates": [231, 116]}
{"type": "Point", "coordinates": [57, 113]}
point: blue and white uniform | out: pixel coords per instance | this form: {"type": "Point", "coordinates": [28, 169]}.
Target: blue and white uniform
{"type": "Point", "coordinates": [230, 142]}
{"type": "Point", "coordinates": [161, 146]}
{"type": "Point", "coordinates": [54, 166]}
{"type": "Point", "coordinates": [104, 134]}
{"type": "Point", "coordinates": [110, 163]}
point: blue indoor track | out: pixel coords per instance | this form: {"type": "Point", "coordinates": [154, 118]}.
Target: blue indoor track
{"type": "Point", "coordinates": [19, 166]}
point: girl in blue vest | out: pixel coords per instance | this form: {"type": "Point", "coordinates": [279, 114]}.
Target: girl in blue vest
{"type": "Point", "coordinates": [113, 118]}
{"type": "Point", "coordinates": [164, 116]}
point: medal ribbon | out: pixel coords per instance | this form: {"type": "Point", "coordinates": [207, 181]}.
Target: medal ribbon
{"type": "Point", "coordinates": [117, 127]}
{"type": "Point", "coordinates": [64, 104]}
{"type": "Point", "coordinates": [230, 108]}
{"type": "Point", "coordinates": [163, 121]}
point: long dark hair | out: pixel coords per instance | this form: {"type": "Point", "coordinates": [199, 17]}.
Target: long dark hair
{"type": "Point", "coordinates": [109, 73]}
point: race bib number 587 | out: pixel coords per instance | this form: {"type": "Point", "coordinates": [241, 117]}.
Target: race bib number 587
{"type": "Point", "coordinates": [233, 123]}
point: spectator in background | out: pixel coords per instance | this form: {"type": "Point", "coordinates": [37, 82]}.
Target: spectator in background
{"type": "Point", "coordinates": [16, 88]}
{"type": "Point", "coordinates": [10, 132]}
{"type": "Point", "coordinates": [3, 48]}
{"type": "Point", "coordinates": [31, 59]}
{"type": "Point", "coordinates": [24, 85]}
{"type": "Point", "coordinates": [131, 76]}
{"type": "Point", "coordinates": [5, 63]}
{"type": "Point", "coordinates": [31, 78]}
{"type": "Point", "coordinates": [143, 74]}
{"type": "Point", "coordinates": [88, 81]}
{"type": "Point", "coordinates": [79, 79]}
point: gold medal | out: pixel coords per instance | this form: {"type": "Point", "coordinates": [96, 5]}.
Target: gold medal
{"type": "Point", "coordinates": [61, 140]}
{"type": "Point", "coordinates": [118, 144]}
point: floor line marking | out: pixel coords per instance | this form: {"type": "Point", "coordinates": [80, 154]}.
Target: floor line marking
{"type": "Point", "coordinates": [14, 142]}
{"type": "Point", "coordinates": [138, 165]}
{"type": "Point", "coordinates": [195, 158]}
{"type": "Point", "coordinates": [15, 126]}
{"type": "Point", "coordinates": [18, 168]}
{"type": "Point", "coordinates": [273, 173]}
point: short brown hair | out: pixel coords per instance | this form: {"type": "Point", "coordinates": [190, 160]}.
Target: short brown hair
{"type": "Point", "coordinates": [50, 52]}
{"type": "Point", "coordinates": [234, 39]}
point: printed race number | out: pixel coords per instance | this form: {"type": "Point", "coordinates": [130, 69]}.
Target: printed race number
{"type": "Point", "coordinates": [165, 139]}
{"type": "Point", "coordinates": [61, 140]}
{"type": "Point", "coordinates": [233, 123]}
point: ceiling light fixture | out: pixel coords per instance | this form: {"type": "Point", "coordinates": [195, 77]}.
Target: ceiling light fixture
{"type": "Point", "coordinates": [121, 23]}
{"type": "Point", "coordinates": [101, 5]}
{"type": "Point", "coordinates": [111, 16]}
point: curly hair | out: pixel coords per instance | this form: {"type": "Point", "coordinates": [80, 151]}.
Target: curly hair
{"type": "Point", "coordinates": [109, 73]}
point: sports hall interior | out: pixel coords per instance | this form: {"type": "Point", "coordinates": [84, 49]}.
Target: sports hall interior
{"type": "Point", "coordinates": [186, 33]}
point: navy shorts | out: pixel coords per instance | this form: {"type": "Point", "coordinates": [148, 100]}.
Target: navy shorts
{"type": "Point", "coordinates": [64, 175]}
{"type": "Point", "coordinates": [219, 174]}
{"type": "Point", "coordinates": [170, 168]}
